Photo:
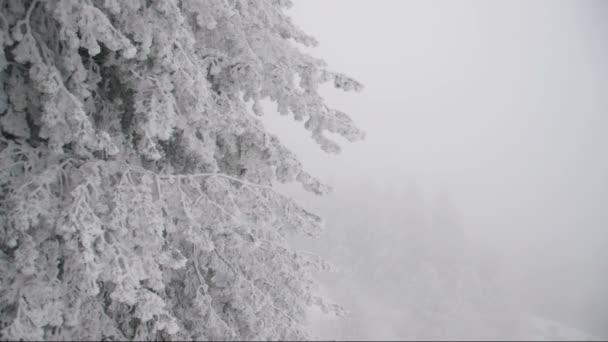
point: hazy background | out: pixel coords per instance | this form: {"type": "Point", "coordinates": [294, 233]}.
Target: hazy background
{"type": "Point", "coordinates": [500, 104]}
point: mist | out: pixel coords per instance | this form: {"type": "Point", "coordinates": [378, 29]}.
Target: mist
{"type": "Point", "coordinates": [485, 151]}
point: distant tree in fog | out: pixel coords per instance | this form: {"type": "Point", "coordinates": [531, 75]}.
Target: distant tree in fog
{"type": "Point", "coordinates": [136, 186]}
{"type": "Point", "coordinates": [410, 266]}
{"type": "Point", "coordinates": [447, 242]}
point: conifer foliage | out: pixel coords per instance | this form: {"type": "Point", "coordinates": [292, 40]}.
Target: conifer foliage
{"type": "Point", "coordinates": [136, 182]}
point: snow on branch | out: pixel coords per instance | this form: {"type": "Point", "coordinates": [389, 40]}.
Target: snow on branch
{"type": "Point", "coordinates": [136, 190]}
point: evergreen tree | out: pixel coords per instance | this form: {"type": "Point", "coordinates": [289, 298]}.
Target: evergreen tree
{"type": "Point", "coordinates": [136, 183]}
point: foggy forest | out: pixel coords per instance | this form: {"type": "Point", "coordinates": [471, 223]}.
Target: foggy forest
{"type": "Point", "coordinates": [189, 170]}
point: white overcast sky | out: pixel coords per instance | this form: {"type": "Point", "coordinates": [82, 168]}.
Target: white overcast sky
{"type": "Point", "coordinates": [502, 104]}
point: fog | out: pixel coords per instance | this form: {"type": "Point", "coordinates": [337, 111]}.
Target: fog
{"type": "Point", "coordinates": [489, 113]}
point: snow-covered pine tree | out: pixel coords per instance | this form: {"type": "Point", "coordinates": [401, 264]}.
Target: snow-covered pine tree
{"type": "Point", "coordinates": [136, 187]}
